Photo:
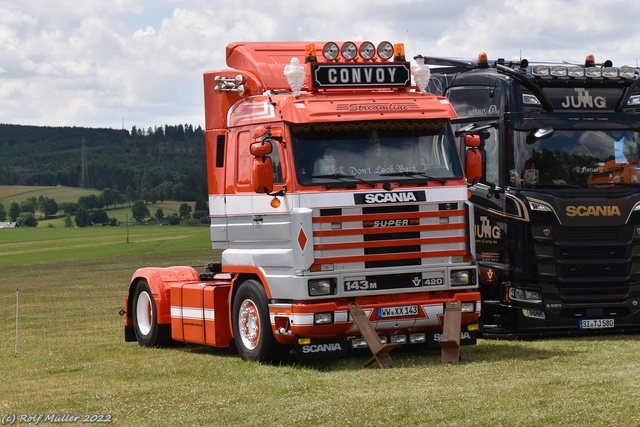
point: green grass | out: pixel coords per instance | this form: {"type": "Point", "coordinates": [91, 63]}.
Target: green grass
{"type": "Point", "coordinates": [72, 357]}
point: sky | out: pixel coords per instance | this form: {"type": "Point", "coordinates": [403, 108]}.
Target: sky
{"type": "Point", "coordinates": [124, 63]}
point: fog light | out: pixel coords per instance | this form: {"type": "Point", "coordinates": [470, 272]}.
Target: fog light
{"type": "Point", "coordinates": [459, 277]}
{"type": "Point", "coordinates": [358, 343]}
{"type": "Point", "coordinates": [321, 287]}
{"type": "Point", "coordinates": [534, 314]}
{"type": "Point", "coordinates": [398, 339]}
{"type": "Point", "coordinates": [472, 327]}
{"type": "Point", "coordinates": [417, 338]}
{"type": "Point", "coordinates": [468, 307]}
{"type": "Point", "coordinates": [323, 318]}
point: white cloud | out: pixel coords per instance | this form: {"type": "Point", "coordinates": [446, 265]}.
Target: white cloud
{"type": "Point", "coordinates": [91, 63]}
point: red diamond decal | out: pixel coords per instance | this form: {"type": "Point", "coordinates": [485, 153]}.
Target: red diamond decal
{"type": "Point", "coordinates": [302, 239]}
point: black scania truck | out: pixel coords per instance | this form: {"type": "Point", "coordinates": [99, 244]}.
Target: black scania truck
{"type": "Point", "coordinates": [557, 204]}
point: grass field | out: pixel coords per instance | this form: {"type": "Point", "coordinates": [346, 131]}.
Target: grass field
{"type": "Point", "coordinates": [72, 359]}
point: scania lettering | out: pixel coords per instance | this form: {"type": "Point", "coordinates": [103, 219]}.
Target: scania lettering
{"type": "Point", "coordinates": [296, 182]}
{"type": "Point", "coordinates": [557, 199]}
{"type": "Point", "coordinates": [321, 348]}
{"type": "Point", "coordinates": [593, 211]}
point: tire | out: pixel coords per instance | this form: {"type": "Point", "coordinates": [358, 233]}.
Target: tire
{"type": "Point", "coordinates": [252, 327]}
{"type": "Point", "coordinates": [145, 318]}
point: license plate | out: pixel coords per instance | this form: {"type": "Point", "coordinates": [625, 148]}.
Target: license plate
{"type": "Point", "coordinates": [405, 310]}
{"type": "Point", "coordinates": [596, 323]}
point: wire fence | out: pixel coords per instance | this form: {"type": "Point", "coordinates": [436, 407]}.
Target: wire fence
{"type": "Point", "coordinates": [37, 321]}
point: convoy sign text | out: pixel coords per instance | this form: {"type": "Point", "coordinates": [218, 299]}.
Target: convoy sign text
{"type": "Point", "coordinates": [371, 74]}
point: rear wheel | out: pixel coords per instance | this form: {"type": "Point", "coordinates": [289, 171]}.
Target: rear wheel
{"type": "Point", "coordinates": [145, 318]}
{"type": "Point", "coordinates": [251, 325]}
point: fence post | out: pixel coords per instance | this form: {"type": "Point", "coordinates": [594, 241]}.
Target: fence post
{"type": "Point", "coordinates": [16, 348]}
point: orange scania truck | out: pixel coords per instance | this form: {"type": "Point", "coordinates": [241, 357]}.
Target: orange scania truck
{"type": "Point", "coordinates": [334, 182]}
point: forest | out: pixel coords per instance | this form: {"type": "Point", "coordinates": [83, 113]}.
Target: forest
{"type": "Point", "coordinates": [169, 159]}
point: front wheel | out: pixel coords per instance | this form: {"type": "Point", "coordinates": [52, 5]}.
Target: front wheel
{"type": "Point", "coordinates": [251, 325]}
{"type": "Point", "coordinates": [145, 318]}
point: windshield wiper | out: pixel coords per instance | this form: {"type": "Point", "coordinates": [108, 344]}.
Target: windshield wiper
{"type": "Point", "coordinates": [343, 177]}
{"type": "Point", "coordinates": [414, 174]}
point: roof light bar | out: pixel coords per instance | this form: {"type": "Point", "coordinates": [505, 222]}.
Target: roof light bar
{"type": "Point", "coordinates": [349, 51]}
{"type": "Point", "coordinates": [540, 70]}
{"type": "Point", "coordinates": [385, 50]}
{"type": "Point", "coordinates": [330, 51]}
{"type": "Point", "coordinates": [367, 51]}
{"type": "Point", "coordinates": [627, 72]}
{"type": "Point", "coordinates": [593, 72]}
{"type": "Point", "coordinates": [576, 72]}
{"type": "Point", "coordinates": [558, 71]}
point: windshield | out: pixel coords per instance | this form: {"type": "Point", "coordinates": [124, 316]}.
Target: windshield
{"type": "Point", "coordinates": [583, 158]}
{"type": "Point", "coordinates": [375, 151]}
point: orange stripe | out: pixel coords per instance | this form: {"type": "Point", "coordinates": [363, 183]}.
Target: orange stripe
{"type": "Point", "coordinates": [388, 257]}
{"type": "Point", "coordinates": [387, 230]}
{"type": "Point", "coordinates": [385, 243]}
{"type": "Point", "coordinates": [396, 215]}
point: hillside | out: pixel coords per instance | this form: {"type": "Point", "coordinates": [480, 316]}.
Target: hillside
{"type": "Point", "coordinates": [170, 159]}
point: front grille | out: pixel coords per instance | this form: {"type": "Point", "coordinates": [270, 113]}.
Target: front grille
{"type": "Point", "coordinates": [592, 234]}
{"type": "Point", "coordinates": [592, 264]}
{"type": "Point", "coordinates": [370, 237]}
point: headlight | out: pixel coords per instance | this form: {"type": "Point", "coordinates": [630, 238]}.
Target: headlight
{"type": "Point", "coordinates": [460, 277]}
{"type": "Point", "coordinates": [321, 287]}
{"type": "Point", "coordinates": [525, 295]}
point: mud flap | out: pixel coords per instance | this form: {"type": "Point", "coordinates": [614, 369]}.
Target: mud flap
{"type": "Point", "coordinates": [322, 349]}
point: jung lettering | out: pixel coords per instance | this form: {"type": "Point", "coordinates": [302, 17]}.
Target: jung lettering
{"type": "Point", "coordinates": [584, 100]}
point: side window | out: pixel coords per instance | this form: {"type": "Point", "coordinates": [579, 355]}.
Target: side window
{"type": "Point", "coordinates": [243, 161]}
{"type": "Point", "coordinates": [491, 155]}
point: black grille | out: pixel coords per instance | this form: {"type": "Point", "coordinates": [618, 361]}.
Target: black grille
{"type": "Point", "coordinates": [591, 234]}
{"type": "Point", "coordinates": [592, 263]}
{"type": "Point", "coordinates": [391, 236]}
{"type": "Point", "coordinates": [593, 271]}
{"type": "Point", "coordinates": [590, 252]}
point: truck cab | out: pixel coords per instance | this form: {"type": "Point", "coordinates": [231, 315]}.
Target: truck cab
{"type": "Point", "coordinates": [557, 204]}
{"type": "Point", "coordinates": [333, 181]}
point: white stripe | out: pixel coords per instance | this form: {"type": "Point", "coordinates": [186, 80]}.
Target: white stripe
{"type": "Point", "coordinates": [193, 313]}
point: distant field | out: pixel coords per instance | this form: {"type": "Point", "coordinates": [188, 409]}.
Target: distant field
{"type": "Point", "coordinates": [72, 359]}
{"type": "Point", "coordinates": [16, 193]}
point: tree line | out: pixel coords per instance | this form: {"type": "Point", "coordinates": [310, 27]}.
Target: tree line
{"type": "Point", "coordinates": [167, 160]}
{"type": "Point", "coordinates": [92, 210]}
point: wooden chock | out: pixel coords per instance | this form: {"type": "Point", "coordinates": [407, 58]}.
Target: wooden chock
{"type": "Point", "coordinates": [379, 350]}
{"type": "Point", "coordinates": [450, 341]}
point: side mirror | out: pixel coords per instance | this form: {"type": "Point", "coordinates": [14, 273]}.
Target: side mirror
{"type": "Point", "coordinates": [262, 174]}
{"type": "Point", "coordinates": [261, 148]}
{"type": "Point", "coordinates": [473, 159]}
{"type": "Point", "coordinates": [537, 134]}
